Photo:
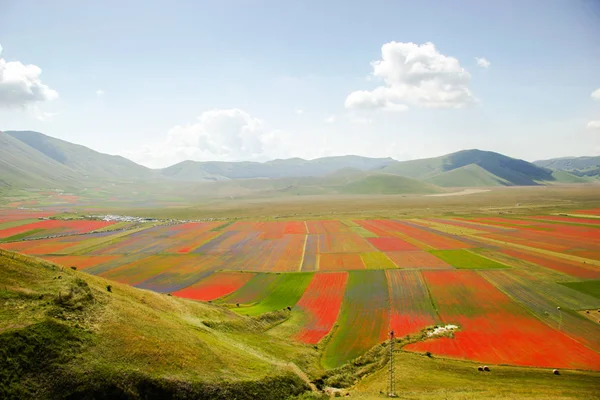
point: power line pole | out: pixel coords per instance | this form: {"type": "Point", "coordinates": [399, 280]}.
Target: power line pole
{"type": "Point", "coordinates": [392, 380]}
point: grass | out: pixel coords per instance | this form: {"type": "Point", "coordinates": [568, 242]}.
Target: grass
{"type": "Point", "coordinates": [69, 337]}
{"type": "Point", "coordinates": [588, 287]}
{"type": "Point", "coordinates": [464, 259]}
{"type": "Point", "coordinates": [287, 292]}
{"type": "Point", "coordinates": [421, 377]}
{"type": "Point", "coordinates": [22, 235]}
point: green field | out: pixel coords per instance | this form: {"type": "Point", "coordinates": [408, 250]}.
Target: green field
{"type": "Point", "coordinates": [286, 293]}
{"type": "Point", "coordinates": [464, 259]}
{"type": "Point", "coordinates": [588, 287]}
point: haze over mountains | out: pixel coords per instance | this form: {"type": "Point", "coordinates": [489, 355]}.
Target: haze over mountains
{"type": "Point", "coordinates": [33, 160]}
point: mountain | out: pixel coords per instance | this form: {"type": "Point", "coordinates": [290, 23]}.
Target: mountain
{"type": "Point", "coordinates": [82, 160]}
{"type": "Point", "coordinates": [580, 166]}
{"type": "Point", "coordinates": [24, 166]}
{"type": "Point", "coordinates": [476, 168]}
{"type": "Point", "coordinates": [196, 171]}
{"type": "Point", "coordinates": [345, 181]}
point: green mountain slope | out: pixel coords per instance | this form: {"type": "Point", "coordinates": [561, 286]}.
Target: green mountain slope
{"type": "Point", "coordinates": [509, 171]}
{"type": "Point", "coordinates": [22, 166]}
{"type": "Point", "coordinates": [471, 175]}
{"type": "Point", "coordinates": [82, 159]}
{"type": "Point", "coordinates": [294, 167]}
{"type": "Point", "coordinates": [579, 166]}
{"type": "Point", "coordinates": [64, 335]}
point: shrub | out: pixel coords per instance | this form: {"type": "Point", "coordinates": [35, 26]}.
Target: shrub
{"type": "Point", "coordinates": [109, 288]}
{"type": "Point", "coordinates": [74, 268]}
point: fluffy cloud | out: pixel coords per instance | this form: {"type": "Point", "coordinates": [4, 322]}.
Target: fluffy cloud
{"type": "Point", "coordinates": [20, 84]}
{"type": "Point", "coordinates": [415, 75]}
{"type": "Point", "coordinates": [596, 94]}
{"type": "Point", "coordinates": [221, 134]}
{"type": "Point", "coordinates": [99, 92]}
{"type": "Point", "coordinates": [593, 125]}
{"type": "Point", "coordinates": [483, 62]}
{"type": "Point", "coordinates": [299, 111]}
{"type": "Point", "coordinates": [330, 120]}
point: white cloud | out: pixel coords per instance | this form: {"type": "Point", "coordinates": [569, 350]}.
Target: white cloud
{"type": "Point", "coordinates": [40, 115]}
{"type": "Point", "coordinates": [330, 120]}
{"type": "Point", "coordinates": [299, 111]}
{"type": "Point", "coordinates": [221, 135]}
{"type": "Point", "coordinates": [99, 92]}
{"type": "Point", "coordinates": [596, 94]}
{"type": "Point", "coordinates": [20, 84]}
{"type": "Point", "coordinates": [483, 62]}
{"type": "Point", "coordinates": [415, 75]}
{"type": "Point", "coordinates": [593, 125]}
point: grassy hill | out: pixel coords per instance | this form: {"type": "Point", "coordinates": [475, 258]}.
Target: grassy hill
{"type": "Point", "coordinates": [64, 335]}
{"type": "Point", "coordinates": [83, 160]}
{"type": "Point", "coordinates": [24, 166]}
{"type": "Point", "coordinates": [471, 175]}
{"type": "Point", "coordinates": [499, 170]}
{"type": "Point", "coordinates": [579, 166]}
{"type": "Point", "coordinates": [194, 171]}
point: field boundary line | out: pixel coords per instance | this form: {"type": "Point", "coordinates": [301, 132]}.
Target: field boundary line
{"type": "Point", "coordinates": [303, 253]}
{"type": "Point", "coordinates": [542, 251]}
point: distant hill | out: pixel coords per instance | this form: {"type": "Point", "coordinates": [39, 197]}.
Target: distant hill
{"type": "Point", "coordinates": [196, 171]}
{"type": "Point", "coordinates": [24, 166]}
{"type": "Point", "coordinates": [340, 182]}
{"type": "Point", "coordinates": [83, 160]}
{"type": "Point", "coordinates": [476, 168]}
{"type": "Point", "coordinates": [33, 160]}
{"type": "Point", "coordinates": [580, 166]}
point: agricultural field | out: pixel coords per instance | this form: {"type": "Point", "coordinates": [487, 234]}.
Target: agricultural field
{"type": "Point", "coordinates": [346, 283]}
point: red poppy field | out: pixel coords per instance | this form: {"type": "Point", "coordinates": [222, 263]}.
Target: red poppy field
{"type": "Point", "coordinates": [348, 283]}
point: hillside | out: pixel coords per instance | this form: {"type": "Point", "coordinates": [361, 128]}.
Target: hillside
{"type": "Point", "coordinates": [23, 166]}
{"type": "Point", "coordinates": [83, 160]}
{"type": "Point", "coordinates": [471, 175]}
{"type": "Point", "coordinates": [579, 166]}
{"type": "Point", "coordinates": [64, 335]}
{"type": "Point", "coordinates": [345, 181]}
{"type": "Point", "coordinates": [499, 170]}
{"type": "Point", "coordinates": [194, 171]}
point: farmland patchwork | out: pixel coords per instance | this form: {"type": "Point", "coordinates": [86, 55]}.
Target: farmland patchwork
{"type": "Point", "coordinates": [520, 290]}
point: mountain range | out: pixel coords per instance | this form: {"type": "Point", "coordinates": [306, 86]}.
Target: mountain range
{"type": "Point", "coordinates": [34, 160]}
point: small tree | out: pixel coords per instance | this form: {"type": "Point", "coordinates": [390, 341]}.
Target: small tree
{"type": "Point", "coordinates": [109, 288]}
{"type": "Point", "coordinates": [74, 268]}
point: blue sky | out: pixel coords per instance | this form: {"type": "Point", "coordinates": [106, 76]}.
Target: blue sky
{"type": "Point", "coordinates": [160, 82]}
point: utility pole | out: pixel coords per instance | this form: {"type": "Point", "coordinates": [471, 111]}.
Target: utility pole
{"type": "Point", "coordinates": [392, 381]}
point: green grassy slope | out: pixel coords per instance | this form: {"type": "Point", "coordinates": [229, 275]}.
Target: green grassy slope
{"type": "Point", "coordinates": [421, 377]}
{"type": "Point", "coordinates": [509, 171]}
{"type": "Point", "coordinates": [62, 334]}
{"type": "Point", "coordinates": [567, 177]}
{"type": "Point", "coordinates": [471, 175]}
{"type": "Point", "coordinates": [24, 166]}
{"type": "Point", "coordinates": [82, 159]}
{"type": "Point", "coordinates": [193, 171]}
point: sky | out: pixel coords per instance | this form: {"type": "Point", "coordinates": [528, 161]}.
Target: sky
{"type": "Point", "coordinates": [160, 82]}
